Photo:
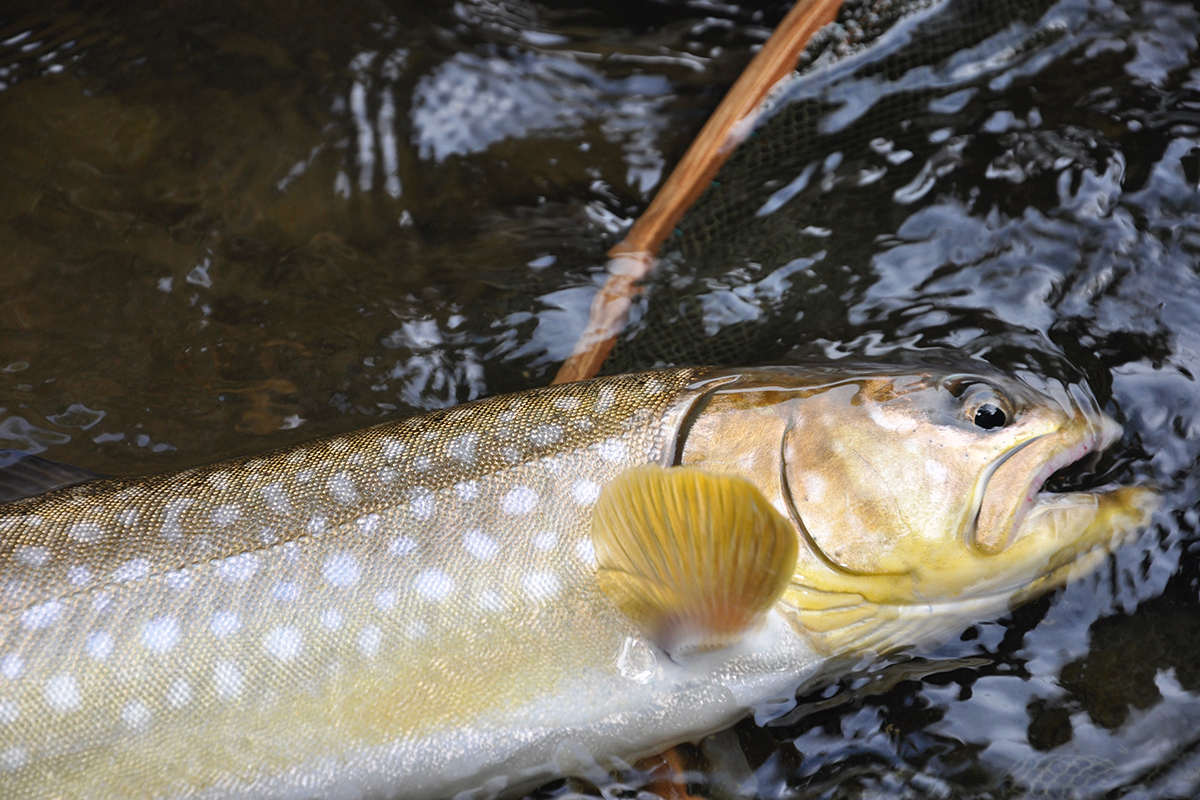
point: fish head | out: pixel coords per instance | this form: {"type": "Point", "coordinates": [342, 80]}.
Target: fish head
{"type": "Point", "coordinates": [919, 487]}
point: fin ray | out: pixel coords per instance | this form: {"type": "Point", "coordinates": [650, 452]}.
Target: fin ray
{"type": "Point", "coordinates": [24, 475]}
{"type": "Point", "coordinates": [695, 559]}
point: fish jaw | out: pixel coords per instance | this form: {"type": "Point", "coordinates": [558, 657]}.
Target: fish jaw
{"type": "Point", "coordinates": [1063, 537]}
{"type": "Point", "coordinates": [1013, 488]}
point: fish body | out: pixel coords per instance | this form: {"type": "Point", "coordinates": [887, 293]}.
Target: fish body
{"type": "Point", "coordinates": [413, 610]}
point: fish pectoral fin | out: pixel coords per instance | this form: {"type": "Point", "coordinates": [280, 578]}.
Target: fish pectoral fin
{"type": "Point", "coordinates": [694, 559]}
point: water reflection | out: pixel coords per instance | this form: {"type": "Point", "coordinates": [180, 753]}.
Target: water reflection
{"type": "Point", "coordinates": [240, 199]}
{"type": "Point", "coordinates": [229, 229]}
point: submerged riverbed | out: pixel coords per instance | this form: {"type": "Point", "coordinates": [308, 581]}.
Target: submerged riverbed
{"type": "Point", "coordinates": [227, 228]}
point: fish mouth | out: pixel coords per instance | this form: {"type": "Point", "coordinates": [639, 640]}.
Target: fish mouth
{"type": "Point", "coordinates": [1017, 482]}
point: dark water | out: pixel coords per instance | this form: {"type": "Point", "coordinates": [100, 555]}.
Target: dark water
{"type": "Point", "coordinates": [228, 227]}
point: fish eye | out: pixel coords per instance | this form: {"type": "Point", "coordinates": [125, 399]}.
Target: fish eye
{"type": "Point", "coordinates": [986, 407]}
{"type": "Point", "coordinates": [989, 417]}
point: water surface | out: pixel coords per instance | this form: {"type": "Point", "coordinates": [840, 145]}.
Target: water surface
{"type": "Point", "coordinates": [226, 229]}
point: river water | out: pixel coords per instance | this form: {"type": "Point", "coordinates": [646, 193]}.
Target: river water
{"type": "Point", "coordinates": [230, 227]}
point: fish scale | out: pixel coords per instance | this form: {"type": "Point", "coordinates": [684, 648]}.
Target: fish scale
{"type": "Point", "coordinates": [251, 623]}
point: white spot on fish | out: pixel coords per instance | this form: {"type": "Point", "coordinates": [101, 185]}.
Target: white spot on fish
{"type": "Point", "coordinates": [586, 552]}
{"type": "Point", "coordinates": [519, 500]}
{"type": "Point", "coordinates": [133, 570]}
{"type": "Point", "coordinates": [585, 492]}
{"type": "Point", "coordinates": [10, 712]}
{"type": "Point", "coordinates": [219, 481]}
{"type": "Point", "coordinates": [179, 694]}
{"type": "Point", "coordinates": [417, 629]}
{"type": "Point", "coordinates": [544, 435]}
{"type": "Point", "coordinates": [342, 487]}
{"type": "Point", "coordinates": [401, 546]}
{"type": "Point", "coordinates": [284, 643]}
{"type": "Point", "coordinates": [369, 640]}
{"type": "Point", "coordinates": [296, 456]}
{"type": "Point", "coordinates": [421, 463]}
{"type": "Point", "coordinates": [14, 758]}
{"type": "Point", "coordinates": [315, 524]}
{"type": "Point", "coordinates": [228, 680]}
{"type": "Point", "coordinates": [814, 487]}
{"type": "Point", "coordinates": [490, 601]}
{"type": "Point", "coordinates": [62, 693]}
{"type": "Point", "coordinates": [480, 545]}
{"type": "Point", "coordinates": [101, 601]}
{"type": "Point", "coordinates": [178, 579]}
{"type": "Point", "coordinates": [40, 616]}
{"type": "Point", "coordinates": [331, 618]}
{"type": "Point", "coordinates": [462, 447]}
{"type": "Point", "coordinates": [277, 498]}
{"type": "Point", "coordinates": [304, 476]}
{"type": "Point", "coordinates": [11, 666]}
{"type": "Point", "coordinates": [890, 422]}
{"type": "Point", "coordinates": [385, 600]}
{"type": "Point", "coordinates": [99, 645]}
{"type": "Point", "coordinates": [545, 540]}
{"type": "Point", "coordinates": [160, 634]}
{"type": "Point", "coordinates": [339, 446]}
{"type": "Point", "coordinates": [467, 491]}
{"type": "Point", "coordinates": [654, 386]}
{"type": "Point", "coordinates": [226, 515]}
{"type": "Point", "coordinates": [612, 450]}
{"type": "Point", "coordinates": [78, 576]}
{"type": "Point", "coordinates": [541, 585]}
{"type": "Point", "coordinates": [32, 555]}
{"type": "Point", "coordinates": [136, 716]}
{"type": "Point", "coordinates": [224, 623]}
{"type": "Point", "coordinates": [367, 525]}
{"type": "Point", "coordinates": [172, 511]}
{"type": "Point", "coordinates": [433, 584]}
{"type": "Point", "coordinates": [392, 448]}
{"type": "Point", "coordinates": [936, 470]}
{"type": "Point", "coordinates": [421, 504]}
{"type": "Point", "coordinates": [387, 475]}
{"type": "Point", "coordinates": [355, 459]}
{"type": "Point", "coordinates": [341, 570]}
{"type": "Point", "coordinates": [128, 517]}
{"type": "Point", "coordinates": [605, 399]}
{"type": "Point", "coordinates": [239, 567]}
{"type": "Point", "coordinates": [86, 532]}
{"type": "Point", "coordinates": [285, 592]}
{"type": "Point", "coordinates": [584, 423]}
{"type": "Point", "coordinates": [511, 454]}
{"type": "Point", "coordinates": [567, 403]}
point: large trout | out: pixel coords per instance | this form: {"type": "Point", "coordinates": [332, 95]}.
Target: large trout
{"type": "Point", "coordinates": [490, 596]}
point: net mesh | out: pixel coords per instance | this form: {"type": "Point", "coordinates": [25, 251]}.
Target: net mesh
{"type": "Point", "coordinates": [745, 274]}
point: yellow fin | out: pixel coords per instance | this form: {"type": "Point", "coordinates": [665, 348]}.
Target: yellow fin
{"type": "Point", "coordinates": [695, 559]}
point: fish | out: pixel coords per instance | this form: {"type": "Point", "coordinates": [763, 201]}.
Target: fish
{"type": "Point", "coordinates": [477, 600]}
